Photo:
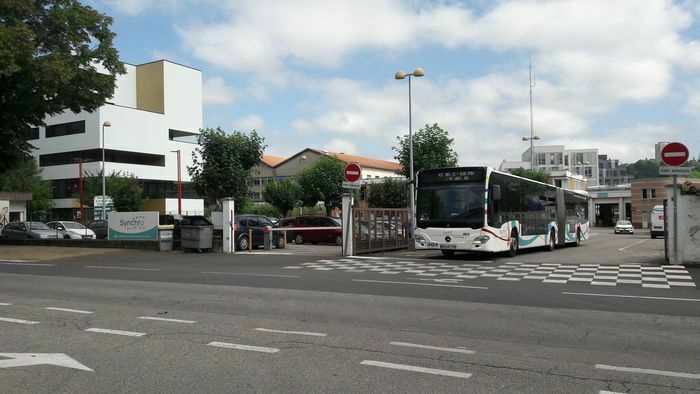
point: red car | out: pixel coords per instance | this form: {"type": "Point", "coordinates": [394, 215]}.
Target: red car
{"type": "Point", "coordinates": [314, 236]}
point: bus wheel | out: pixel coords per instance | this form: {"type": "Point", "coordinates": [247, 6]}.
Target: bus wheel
{"type": "Point", "coordinates": [514, 244]}
{"type": "Point", "coordinates": [552, 242]}
{"type": "Point", "coordinates": [448, 253]}
{"type": "Point", "coordinates": [578, 237]}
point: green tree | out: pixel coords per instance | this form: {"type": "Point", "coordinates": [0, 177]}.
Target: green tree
{"type": "Point", "coordinates": [123, 188]}
{"type": "Point", "coordinates": [26, 177]}
{"type": "Point", "coordinates": [537, 175]}
{"type": "Point", "coordinates": [49, 50]}
{"type": "Point", "coordinates": [322, 181]}
{"type": "Point", "coordinates": [432, 148]}
{"type": "Point", "coordinates": [259, 209]}
{"type": "Point", "coordinates": [222, 163]}
{"type": "Point", "coordinates": [391, 193]}
{"type": "Point", "coordinates": [644, 168]}
{"type": "Point", "coordinates": [284, 195]}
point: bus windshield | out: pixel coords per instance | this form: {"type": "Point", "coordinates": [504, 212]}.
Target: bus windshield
{"type": "Point", "coordinates": [456, 205]}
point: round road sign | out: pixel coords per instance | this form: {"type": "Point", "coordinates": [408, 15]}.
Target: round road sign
{"type": "Point", "coordinates": [352, 172]}
{"type": "Point", "coordinates": [674, 154]}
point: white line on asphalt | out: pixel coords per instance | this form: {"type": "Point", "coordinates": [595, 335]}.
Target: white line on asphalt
{"type": "Point", "coordinates": [117, 332]}
{"type": "Point", "coordinates": [650, 371]}
{"type": "Point", "coordinates": [29, 264]}
{"type": "Point", "coordinates": [368, 257]}
{"type": "Point", "coordinates": [442, 349]}
{"type": "Point", "coordinates": [313, 334]}
{"type": "Point", "coordinates": [4, 304]}
{"type": "Point", "coordinates": [169, 320]}
{"type": "Point", "coordinates": [247, 274]}
{"type": "Point", "coordinates": [20, 321]}
{"type": "Point", "coordinates": [121, 268]}
{"type": "Point", "coordinates": [636, 243]}
{"type": "Point", "coordinates": [419, 284]}
{"type": "Point", "coordinates": [244, 347]}
{"type": "Point", "coordinates": [68, 310]}
{"type": "Point", "coordinates": [17, 261]}
{"type": "Point", "coordinates": [273, 253]}
{"type": "Point", "coordinates": [609, 392]}
{"type": "Point", "coordinates": [412, 368]}
{"type": "Point", "coordinates": [631, 296]}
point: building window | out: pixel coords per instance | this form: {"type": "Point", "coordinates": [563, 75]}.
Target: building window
{"type": "Point", "coordinates": [578, 158]}
{"type": "Point", "coordinates": [644, 194]}
{"type": "Point", "coordinates": [541, 159]}
{"type": "Point", "coordinates": [551, 158]}
{"type": "Point", "coordinates": [32, 134]}
{"type": "Point", "coordinates": [58, 130]}
{"type": "Point", "coordinates": [112, 156]}
{"type": "Point", "coordinates": [652, 193]}
{"type": "Point", "coordinates": [566, 160]}
{"type": "Point", "coordinates": [588, 171]}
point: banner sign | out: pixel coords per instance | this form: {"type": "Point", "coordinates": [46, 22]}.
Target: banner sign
{"type": "Point", "coordinates": [133, 225]}
{"type": "Point", "coordinates": [109, 207]}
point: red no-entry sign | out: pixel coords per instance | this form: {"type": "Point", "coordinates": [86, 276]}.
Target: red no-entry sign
{"type": "Point", "coordinates": [674, 154]}
{"type": "Point", "coordinates": [352, 172]}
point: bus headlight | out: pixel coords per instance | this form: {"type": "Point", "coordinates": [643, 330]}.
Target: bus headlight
{"type": "Point", "coordinates": [480, 240]}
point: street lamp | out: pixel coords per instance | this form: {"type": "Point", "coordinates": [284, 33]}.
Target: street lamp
{"type": "Point", "coordinates": [105, 124]}
{"type": "Point", "coordinates": [531, 138]}
{"type": "Point", "coordinates": [179, 183]}
{"type": "Point", "coordinates": [418, 72]}
{"type": "Point", "coordinates": [302, 159]}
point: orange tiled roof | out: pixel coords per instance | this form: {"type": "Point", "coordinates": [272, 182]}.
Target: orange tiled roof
{"type": "Point", "coordinates": [272, 161]}
{"type": "Point", "coordinates": [363, 161]}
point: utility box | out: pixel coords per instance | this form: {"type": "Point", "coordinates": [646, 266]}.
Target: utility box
{"type": "Point", "coordinates": [165, 238]}
{"type": "Point", "coordinates": [196, 234]}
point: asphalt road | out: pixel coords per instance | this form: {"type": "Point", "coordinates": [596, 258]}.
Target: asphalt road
{"type": "Point", "coordinates": [580, 319]}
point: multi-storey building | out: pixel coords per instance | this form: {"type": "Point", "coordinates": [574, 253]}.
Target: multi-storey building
{"type": "Point", "coordinates": [155, 106]}
{"type": "Point", "coordinates": [611, 173]}
{"type": "Point", "coordinates": [558, 161]}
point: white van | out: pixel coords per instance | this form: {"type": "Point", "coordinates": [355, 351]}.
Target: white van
{"type": "Point", "coordinates": [656, 226]}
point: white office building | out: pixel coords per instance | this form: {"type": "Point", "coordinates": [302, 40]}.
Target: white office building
{"type": "Point", "coordinates": [155, 106]}
{"type": "Point", "coordinates": [571, 164]}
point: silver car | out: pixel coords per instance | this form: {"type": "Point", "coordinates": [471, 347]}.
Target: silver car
{"type": "Point", "coordinates": [624, 227]}
{"type": "Point", "coordinates": [24, 230]}
{"type": "Point", "coordinates": [71, 230]}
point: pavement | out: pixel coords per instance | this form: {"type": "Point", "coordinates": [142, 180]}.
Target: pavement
{"type": "Point", "coordinates": [397, 322]}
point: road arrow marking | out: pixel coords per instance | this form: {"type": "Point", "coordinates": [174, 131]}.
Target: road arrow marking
{"type": "Point", "coordinates": [25, 359]}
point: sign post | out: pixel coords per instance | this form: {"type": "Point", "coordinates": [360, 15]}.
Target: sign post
{"type": "Point", "coordinates": [674, 155]}
{"type": "Point", "coordinates": [352, 175]}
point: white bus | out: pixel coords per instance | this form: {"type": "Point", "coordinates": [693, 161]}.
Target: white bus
{"type": "Point", "coordinates": [482, 210]}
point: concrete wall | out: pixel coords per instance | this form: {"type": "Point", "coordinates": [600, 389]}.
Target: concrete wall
{"type": "Point", "coordinates": [688, 227]}
{"type": "Point", "coordinates": [183, 97]}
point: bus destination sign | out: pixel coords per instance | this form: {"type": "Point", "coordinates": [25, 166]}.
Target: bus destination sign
{"type": "Point", "coordinates": [452, 175]}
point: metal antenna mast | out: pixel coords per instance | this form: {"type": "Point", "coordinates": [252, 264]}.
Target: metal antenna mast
{"type": "Point", "coordinates": [532, 127]}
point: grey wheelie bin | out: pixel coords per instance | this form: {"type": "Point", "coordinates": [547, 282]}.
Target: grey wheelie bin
{"type": "Point", "coordinates": [196, 234]}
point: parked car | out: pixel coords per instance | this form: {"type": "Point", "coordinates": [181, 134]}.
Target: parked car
{"type": "Point", "coordinates": [656, 227]}
{"type": "Point", "coordinates": [256, 223]}
{"type": "Point", "coordinates": [24, 230]}
{"type": "Point", "coordinates": [314, 236]}
{"type": "Point", "coordinates": [99, 227]}
{"type": "Point", "coordinates": [274, 220]}
{"type": "Point", "coordinates": [71, 230]}
{"type": "Point", "coordinates": [624, 227]}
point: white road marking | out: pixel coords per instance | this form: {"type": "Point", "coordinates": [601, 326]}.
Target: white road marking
{"type": "Point", "coordinates": [368, 258]}
{"type": "Point", "coordinates": [313, 334]}
{"type": "Point", "coordinates": [19, 321]}
{"type": "Point", "coordinates": [168, 320]}
{"type": "Point", "coordinates": [412, 368]}
{"type": "Point", "coordinates": [636, 243]}
{"type": "Point", "coordinates": [17, 261]}
{"type": "Point", "coordinates": [121, 268]}
{"type": "Point", "coordinates": [273, 253]}
{"type": "Point", "coordinates": [4, 304]}
{"type": "Point", "coordinates": [68, 310]}
{"type": "Point", "coordinates": [25, 359]}
{"type": "Point", "coordinates": [244, 347]}
{"type": "Point", "coordinates": [631, 296]}
{"type": "Point", "coordinates": [29, 264]}
{"type": "Point", "coordinates": [609, 392]}
{"type": "Point", "coordinates": [247, 274]}
{"type": "Point", "coordinates": [419, 284]}
{"type": "Point", "coordinates": [442, 349]}
{"type": "Point", "coordinates": [650, 371]}
{"type": "Point", "coordinates": [116, 332]}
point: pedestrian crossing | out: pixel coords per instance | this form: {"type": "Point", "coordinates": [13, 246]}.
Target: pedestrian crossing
{"type": "Point", "coordinates": [661, 277]}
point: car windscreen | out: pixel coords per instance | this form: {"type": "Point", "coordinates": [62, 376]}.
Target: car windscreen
{"type": "Point", "coordinates": [457, 205]}
{"type": "Point", "coordinates": [624, 223]}
{"type": "Point", "coordinates": [37, 226]}
{"type": "Point", "coordinates": [74, 225]}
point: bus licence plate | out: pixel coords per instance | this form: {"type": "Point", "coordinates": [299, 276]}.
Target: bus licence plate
{"type": "Point", "coordinates": [448, 246]}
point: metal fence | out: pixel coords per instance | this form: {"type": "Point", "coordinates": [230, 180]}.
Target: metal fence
{"type": "Point", "coordinates": [380, 229]}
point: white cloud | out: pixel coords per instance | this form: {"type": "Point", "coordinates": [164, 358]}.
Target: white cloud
{"type": "Point", "coordinates": [248, 123]}
{"type": "Point", "coordinates": [341, 146]}
{"type": "Point", "coordinates": [217, 92]}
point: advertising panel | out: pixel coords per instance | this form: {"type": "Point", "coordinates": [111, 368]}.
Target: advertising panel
{"type": "Point", "coordinates": [133, 226]}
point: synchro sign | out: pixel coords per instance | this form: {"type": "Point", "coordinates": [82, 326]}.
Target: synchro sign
{"type": "Point", "coordinates": [133, 225]}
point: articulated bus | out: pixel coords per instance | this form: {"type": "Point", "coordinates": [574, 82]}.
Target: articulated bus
{"type": "Point", "coordinates": [482, 210]}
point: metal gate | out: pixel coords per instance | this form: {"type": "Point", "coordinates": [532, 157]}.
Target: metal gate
{"type": "Point", "coordinates": [379, 229]}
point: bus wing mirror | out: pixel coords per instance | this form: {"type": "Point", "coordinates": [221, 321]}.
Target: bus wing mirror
{"type": "Point", "coordinates": [496, 192]}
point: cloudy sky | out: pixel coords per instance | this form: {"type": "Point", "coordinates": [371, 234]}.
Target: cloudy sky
{"type": "Point", "coordinates": [617, 75]}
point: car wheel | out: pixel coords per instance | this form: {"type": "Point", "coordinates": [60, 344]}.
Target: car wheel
{"type": "Point", "coordinates": [66, 237]}
{"type": "Point", "coordinates": [299, 239]}
{"type": "Point", "coordinates": [242, 242]}
{"type": "Point", "coordinates": [514, 243]}
{"type": "Point", "coordinates": [339, 240]}
{"type": "Point", "coordinates": [448, 253]}
{"type": "Point", "coordinates": [279, 243]}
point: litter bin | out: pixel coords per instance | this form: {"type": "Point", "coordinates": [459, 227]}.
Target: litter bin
{"type": "Point", "coordinates": [196, 233]}
{"type": "Point", "coordinates": [165, 238]}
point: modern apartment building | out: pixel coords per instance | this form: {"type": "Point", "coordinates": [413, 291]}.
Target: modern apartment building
{"type": "Point", "coordinates": [277, 168]}
{"type": "Point", "coordinates": [558, 160]}
{"type": "Point", "coordinates": [155, 106]}
{"type": "Point", "coordinates": [611, 173]}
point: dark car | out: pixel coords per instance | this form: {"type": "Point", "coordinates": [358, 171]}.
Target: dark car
{"type": "Point", "coordinates": [24, 230]}
{"type": "Point", "coordinates": [256, 223]}
{"type": "Point", "coordinates": [99, 227]}
{"type": "Point", "coordinates": [314, 236]}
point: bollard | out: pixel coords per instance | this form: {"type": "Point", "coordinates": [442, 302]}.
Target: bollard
{"type": "Point", "coordinates": [250, 239]}
{"type": "Point", "coordinates": [267, 238]}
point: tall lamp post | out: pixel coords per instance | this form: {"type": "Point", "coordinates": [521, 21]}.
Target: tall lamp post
{"type": "Point", "coordinates": [418, 72]}
{"type": "Point", "coordinates": [302, 159]}
{"type": "Point", "coordinates": [105, 124]}
{"type": "Point", "coordinates": [532, 139]}
{"type": "Point", "coordinates": [179, 183]}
